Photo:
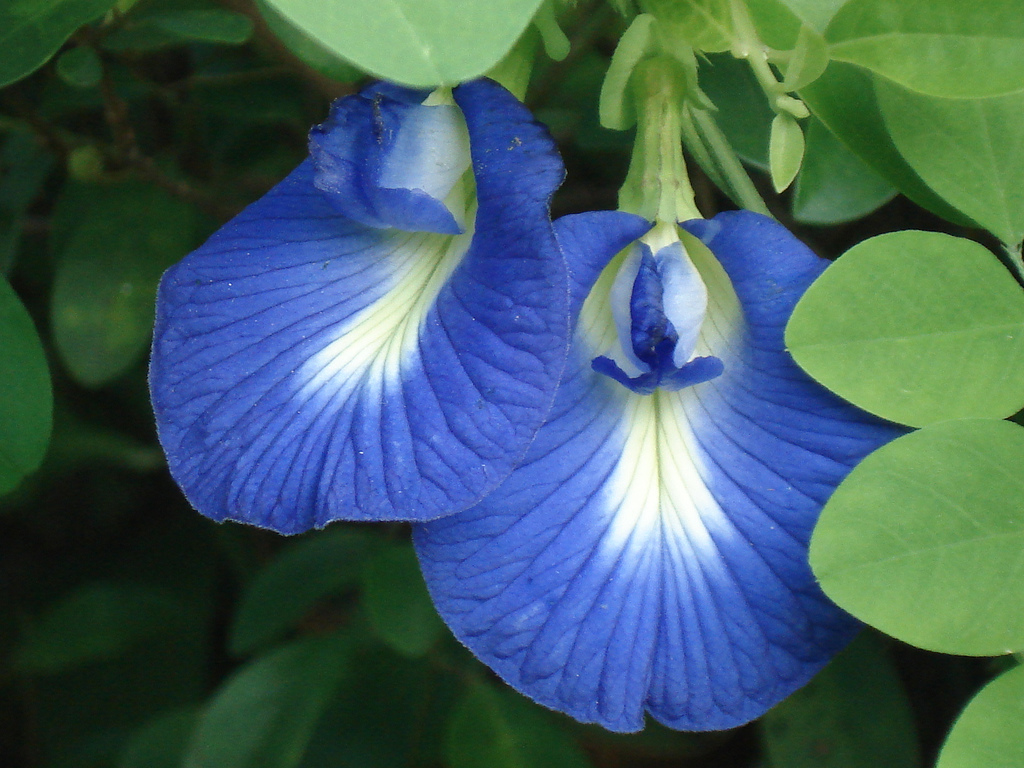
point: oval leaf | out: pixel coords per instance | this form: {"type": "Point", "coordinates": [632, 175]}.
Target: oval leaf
{"type": "Point", "coordinates": [915, 327]}
{"type": "Point", "coordinates": [844, 100]}
{"type": "Point", "coordinates": [303, 574]}
{"type": "Point", "coordinates": [160, 742]}
{"type": "Point", "coordinates": [923, 539]}
{"type": "Point", "coordinates": [854, 714]}
{"type": "Point", "coordinates": [114, 243]}
{"type": "Point", "coordinates": [988, 733]}
{"type": "Point", "coordinates": [775, 23]}
{"type": "Point", "coordinates": [969, 151]}
{"type": "Point", "coordinates": [420, 43]}
{"type": "Point", "coordinates": [397, 602]}
{"type": "Point", "coordinates": [208, 25]}
{"type": "Point", "coordinates": [939, 47]}
{"type": "Point", "coordinates": [309, 49]}
{"type": "Point", "coordinates": [96, 621]}
{"type": "Point", "coordinates": [492, 728]}
{"type": "Point", "coordinates": [31, 31]}
{"type": "Point", "coordinates": [26, 399]}
{"type": "Point", "coordinates": [807, 61]}
{"type": "Point", "coordinates": [834, 185]}
{"type": "Point", "coordinates": [264, 715]}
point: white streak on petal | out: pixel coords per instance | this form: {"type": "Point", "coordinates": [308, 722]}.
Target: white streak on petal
{"type": "Point", "coordinates": [657, 488]}
{"type": "Point", "coordinates": [685, 299]}
{"type": "Point", "coordinates": [596, 331]}
{"type": "Point", "coordinates": [657, 495]}
{"type": "Point", "coordinates": [722, 326]}
{"type": "Point", "coordinates": [372, 347]}
{"type": "Point", "coordinates": [620, 297]}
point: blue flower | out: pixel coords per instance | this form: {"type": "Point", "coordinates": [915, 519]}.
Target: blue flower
{"type": "Point", "coordinates": [381, 335]}
{"type": "Point", "coordinates": [650, 551]}
{"type": "Point", "coordinates": [612, 463]}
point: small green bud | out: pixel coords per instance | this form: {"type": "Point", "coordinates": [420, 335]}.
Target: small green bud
{"type": "Point", "coordinates": [785, 151]}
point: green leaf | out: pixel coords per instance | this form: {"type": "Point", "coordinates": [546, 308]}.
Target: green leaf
{"type": "Point", "coordinates": [915, 327]}
{"type": "Point", "coordinates": [704, 24]}
{"type": "Point", "coordinates": [776, 24]}
{"type": "Point", "coordinates": [987, 734]}
{"type": "Point", "coordinates": [116, 242]}
{"type": "Point", "coordinates": [923, 540]}
{"type": "Point", "coordinates": [397, 602]}
{"type": "Point", "coordinates": [844, 100]}
{"type": "Point", "coordinates": [939, 47]}
{"type": "Point", "coordinates": [743, 112]}
{"type": "Point", "coordinates": [161, 742]}
{"type": "Point", "coordinates": [302, 575]}
{"type": "Point", "coordinates": [785, 151]}
{"type": "Point", "coordinates": [314, 53]}
{"type": "Point", "coordinates": [31, 31]}
{"type": "Point", "coordinates": [97, 621]}
{"type": "Point", "coordinates": [854, 714]}
{"type": "Point", "coordinates": [420, 43]}
{"type": "Point", "coordinates": [265, 714]}
{"type": "Point", "coordinates": [26, 398]}
{"type": "Point", "coordinates": [24, 167]}
{"type": "Point", "coordinates": [161, 26]}
{"type": "Point", "coordinates": [497, 728]}
{"type": "Point", "coordinates": [808, 60]}
{"type": "Point", "coordinates": [139, 35]}
{"type": "Point", "coordinates": [816, 14]}
{"type": "Point", "coordinates": [120, 532]}
{"type": "Point", "coordinates": [969, 151]}
{"type": "Point", "coordinates": [80, 67]}
{"type": "Point", "coordinates": [834, 185]}
{"type": "Point", "coordinates": [390, 713]}
{"type": "Point", "coordinates": [208, 25]}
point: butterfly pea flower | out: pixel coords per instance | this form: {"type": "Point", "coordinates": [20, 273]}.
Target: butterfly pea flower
{"type": "Point", "coordinates": [382, 334]}
{"type": "Point", "coordinates": [649, 553]}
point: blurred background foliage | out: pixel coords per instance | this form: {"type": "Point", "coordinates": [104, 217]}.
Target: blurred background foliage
{"type": "Point", "coordinates": [136, 634]}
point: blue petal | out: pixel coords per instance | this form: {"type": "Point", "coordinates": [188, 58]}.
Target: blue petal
{"type": "Point", "coordinates": [650, 553]}
{"type": "Point", "coordinates": [387, 161]}
{"type": "Point", "coordinates": [307, 368]}
{"type": "Point", "coordinates": [697, 371]}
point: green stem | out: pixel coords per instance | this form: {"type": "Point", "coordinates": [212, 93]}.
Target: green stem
{"type": "Point", "coordinates": [721, 153]}
{"type": "Point", "coordinates": [748, 46]}
{"type": "Point", "coordinates": [657, 185]}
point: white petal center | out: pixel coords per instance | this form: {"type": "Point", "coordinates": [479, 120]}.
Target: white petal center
{"type": "Point", "coordinates": [372, 346]}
